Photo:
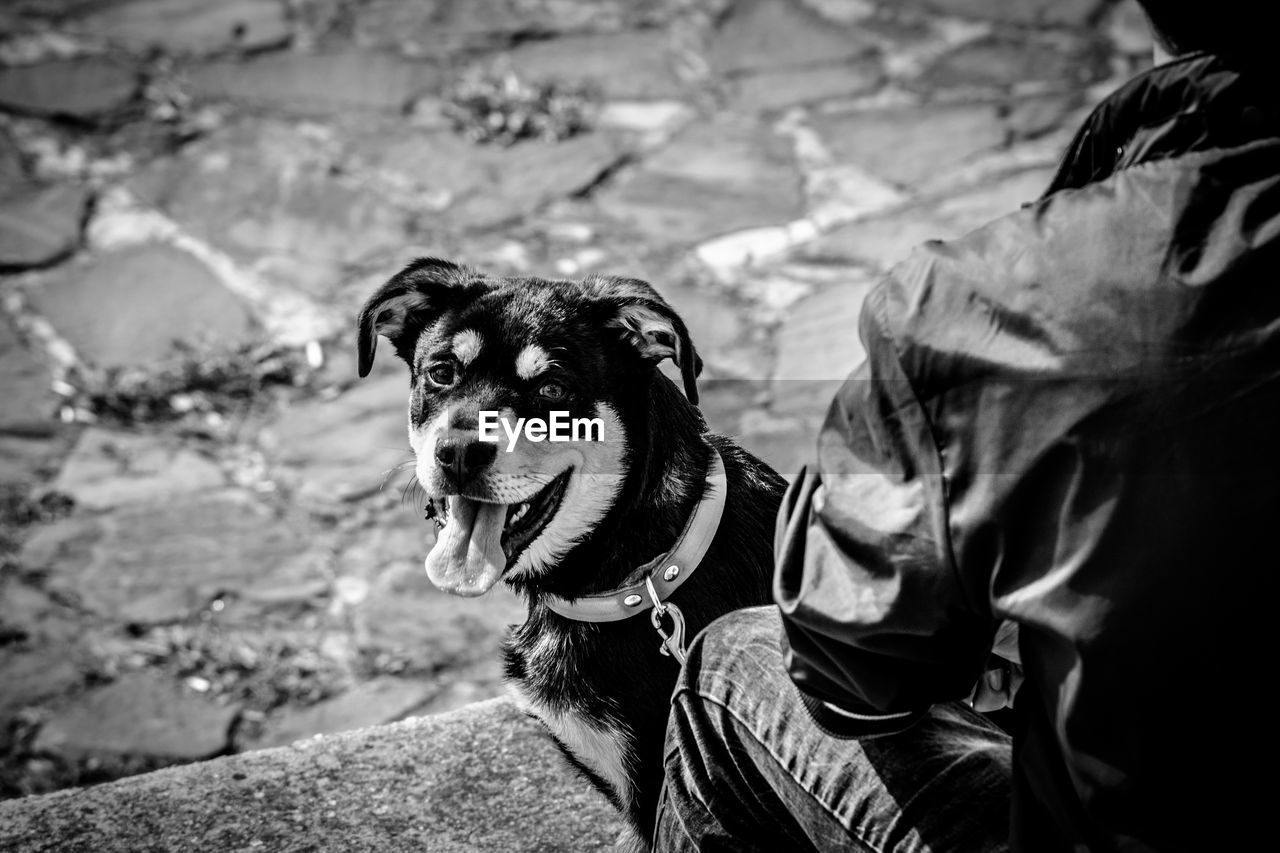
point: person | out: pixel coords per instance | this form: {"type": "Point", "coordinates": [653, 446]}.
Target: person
{"type": "Point", "coordinates": [1067, 422]}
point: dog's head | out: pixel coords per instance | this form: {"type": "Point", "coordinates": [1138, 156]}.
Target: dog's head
{"type": "Point", "coordinates": [513, 412]}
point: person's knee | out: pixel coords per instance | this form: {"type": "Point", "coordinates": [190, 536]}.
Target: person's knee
{"type": "Point", "coordinates": [717, 646]}
{"type": "Point", "coordinates": [734, 655]}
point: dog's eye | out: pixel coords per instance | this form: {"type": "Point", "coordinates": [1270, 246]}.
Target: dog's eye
{"type": "Point", "coordinates": [442, 374]}
{"type": "Point", "coordinates": [552, 390]}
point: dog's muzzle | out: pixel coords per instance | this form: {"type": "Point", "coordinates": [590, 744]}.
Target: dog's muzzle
{"type": "Point", "coordinates": [477, 540]}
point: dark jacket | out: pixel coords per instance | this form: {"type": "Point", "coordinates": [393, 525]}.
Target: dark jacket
{"type": "Point", "coordinates": [1071, 419]}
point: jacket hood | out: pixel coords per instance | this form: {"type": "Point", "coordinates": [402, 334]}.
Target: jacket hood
{"type": "Point", "coordinates": [1194, 103]}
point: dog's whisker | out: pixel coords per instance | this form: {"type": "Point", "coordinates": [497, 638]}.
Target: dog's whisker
{"type": "Point", "coordinates": [388, 474]}
{"type": "Point", "coordinates": [413, 491]}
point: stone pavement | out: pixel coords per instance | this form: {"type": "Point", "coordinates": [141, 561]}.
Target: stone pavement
{"type": "Point", "coordinates": [204, 541]}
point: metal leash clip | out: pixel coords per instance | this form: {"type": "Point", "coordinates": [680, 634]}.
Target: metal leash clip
{"type": "Point", "coordinates": [673, 643]}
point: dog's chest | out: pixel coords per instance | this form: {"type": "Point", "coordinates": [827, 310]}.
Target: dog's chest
{"type": "Point", "coordinates": [553, 690]}
{"type": "Point", "coordinates": [599, 747]}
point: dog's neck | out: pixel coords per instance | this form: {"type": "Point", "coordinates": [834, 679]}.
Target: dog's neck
{"type": "Point", "coordinates": [665, 479]}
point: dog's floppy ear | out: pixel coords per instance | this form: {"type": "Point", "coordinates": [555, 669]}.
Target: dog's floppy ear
{"type": "Point", "coordinates": [650, 325]}
{"type": "Point", "coordinates": [407, 304]}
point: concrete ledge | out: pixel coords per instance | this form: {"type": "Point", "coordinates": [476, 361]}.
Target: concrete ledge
{"type": "Point", "coordinates": [483, 778]}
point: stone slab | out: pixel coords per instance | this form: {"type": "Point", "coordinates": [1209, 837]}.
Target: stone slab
{"type": "Point", "coordinates": [333, 85]}
{"type": "Point", "coordinates": [909, 145]}
{"type": "Point", "coordinates": [13, 173]}
{"type": "Point", "coordinates": [138, 715]}
{"type": "Point", "coordinates": [882, 241]}
{"type": "Point", "coordinates": [85, 88]}
{"type": "Point", "coordinates": [789, 87]}
{"type": "Point", "coordinates": [336, 450]}
{"type": "Point", "coordinates": [439, 167]}
{"type": "Point", "coordinates": [190, 26]}
{"type": "Point", "coordinates": [1005, 63]}
{"type": "Point", "coordinates": [1074, 13]}
{"type": "Point", "coordinates": [441, 28]}
{"type": "Point", "coordinates": [41, 225]}
{"type": "Point", "coordinates": [161, 562]}
{"type": "Point", "coordinates": [24, 383]}
{"type": "Point", "coordinates": [626, 66]}
{"type": "Point", "coordinates": [465, 686]}
{"type": "Point", "coordinates": [483, 778]}
{"type": "Point", "coordinates": [110, 468]}
{"type": "Point", "coordinates": [531, 174]}
{"type": "Point", "coordinates": [372, 703]}
{"type": "Point", "coordinates": [760, 34]}
{"type": "Point", "coordinates": [406, 616]}
{"type": "Point", "coordinates": [736, 152]}
{"type": "Point", "coordinates": [447, 28]}
{"type": "Point", "coordinates": [394, 609]}
{"type": "Point", "coordinates": [818, 347]}
{"type": "Point", "coordinates": [670, 210]}
{"type": "Point", "coordinates": [714, 178]}
{"type": "Point", "coordinates": [27, 453]}
{"type": "Point", "coordinates": [157, 294]}
{"type": "Point", "coordinates": [270, 189]}
{"type": "Point", "coordinates": [33, 676]}
{"type": "Point", "coordinates": [722, 331]}
{"type": "Point", "coordinates": [284, 598]}
{"type": "Point", "coordinates": [29, 615]}
{"type": "Point", "coordinates": [460, 184]}
{"type": "Point", "coordinates": [740, 409]}
{"type": "Point", "coordinates": [1029, 118]}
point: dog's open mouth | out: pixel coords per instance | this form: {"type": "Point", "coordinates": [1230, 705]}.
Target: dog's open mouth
{"type": "Point", "coordinates": [525, 521]}
{"type": "Point", "coordinates": [479, 540]}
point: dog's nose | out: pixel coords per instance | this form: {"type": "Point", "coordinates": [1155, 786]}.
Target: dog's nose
{"type": "Point", "coordinates": [463, 458]}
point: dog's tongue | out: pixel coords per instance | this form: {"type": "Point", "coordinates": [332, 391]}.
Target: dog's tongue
{"type": "Point", "coordinates": [468, 558]}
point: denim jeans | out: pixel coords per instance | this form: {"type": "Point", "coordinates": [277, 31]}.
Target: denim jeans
{"type": "Point", "coordinates": [747, 768]}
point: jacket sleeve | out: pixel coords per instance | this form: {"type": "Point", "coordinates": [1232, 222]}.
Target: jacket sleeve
{"type": "Point", "coordinates": [877, 621]}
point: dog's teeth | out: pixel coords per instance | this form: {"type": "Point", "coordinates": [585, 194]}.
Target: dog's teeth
{"type": "Point", "coordinates": [519, 513]}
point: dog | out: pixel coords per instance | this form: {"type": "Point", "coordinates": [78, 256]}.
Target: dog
{"type": "Point", "coordinates": [643, 513]}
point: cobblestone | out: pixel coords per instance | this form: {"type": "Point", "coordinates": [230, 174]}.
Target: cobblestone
{"type": "Point", "coordinates": [157, 294]}
{"type": "Point", "coordinates": [190, 26]}
{"type": "Point", "coordinates": [139, 715]}
{"type": "Point", "coordinates": [41, 225]}
{"type": "Point", "coordinates": [85, 88]}
{"type": "Point", "coordinates": [329, 84]}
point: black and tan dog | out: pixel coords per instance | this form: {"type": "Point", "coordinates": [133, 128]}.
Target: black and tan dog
{"type": "Point", "coordinates": [644, 522]}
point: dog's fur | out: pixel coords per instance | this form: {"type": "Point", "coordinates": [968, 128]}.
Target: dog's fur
{"type": "Point", "coordinates": [602, 689]}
